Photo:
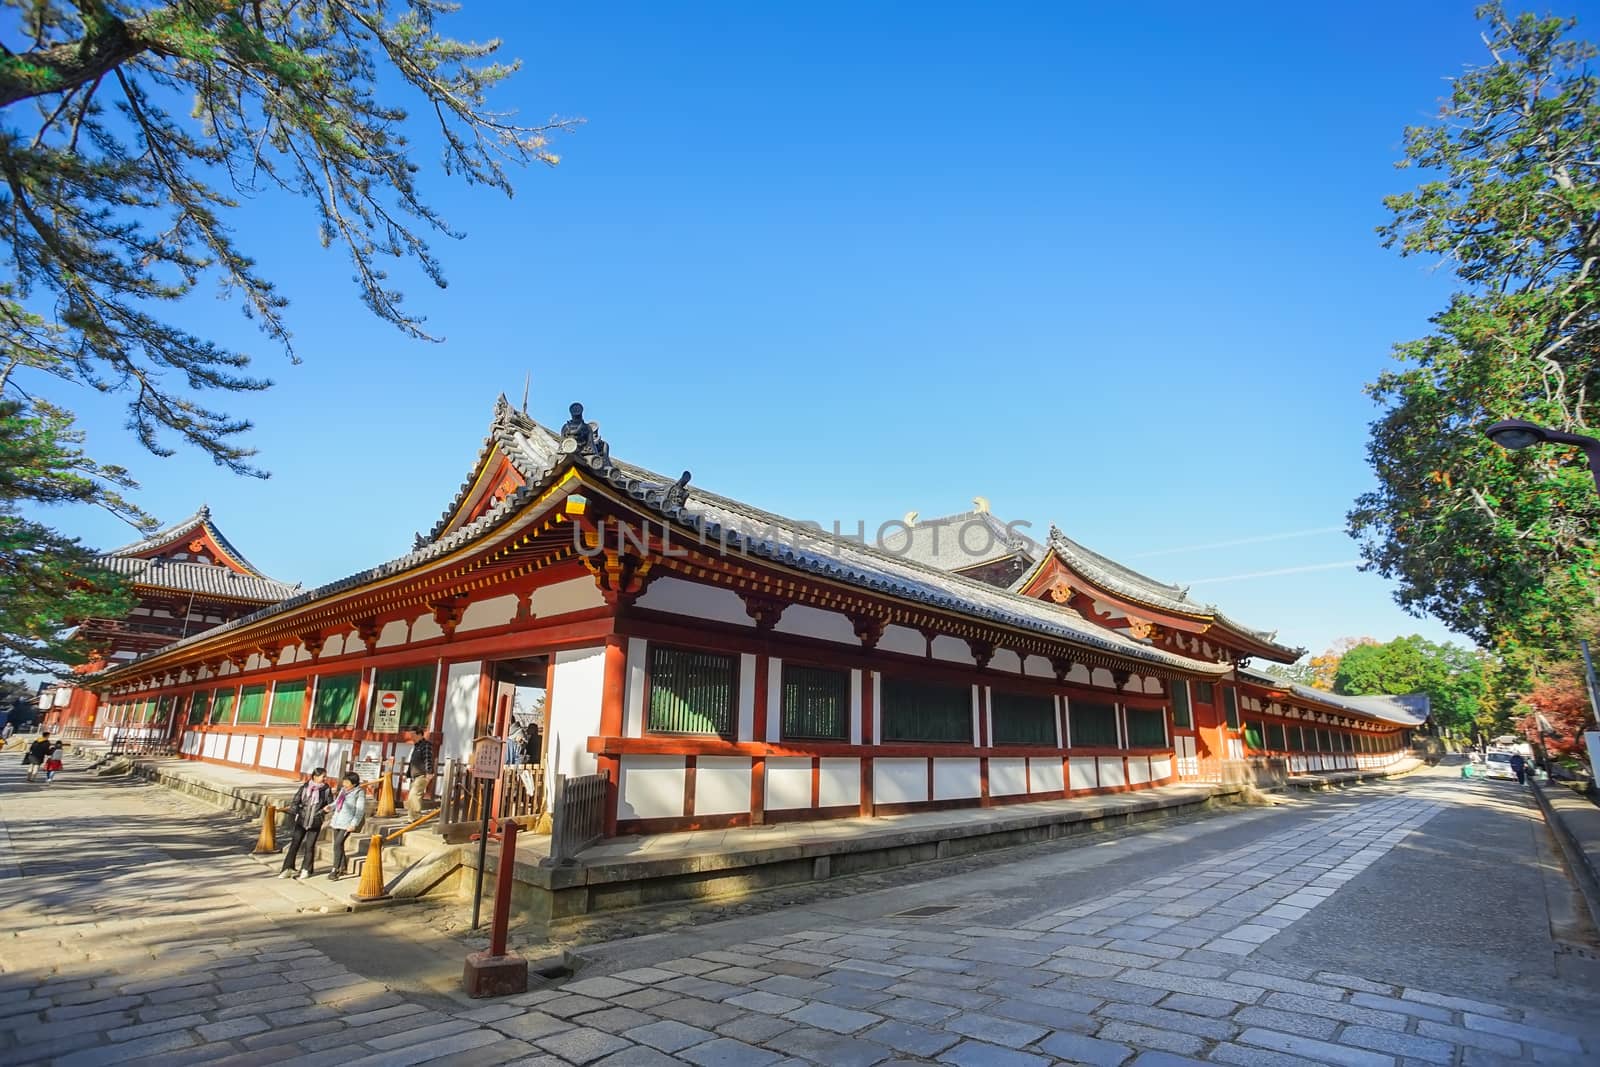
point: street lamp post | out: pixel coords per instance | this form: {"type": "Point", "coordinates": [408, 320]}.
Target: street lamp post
{"type": "Point", "coordinates": [1517, 434]}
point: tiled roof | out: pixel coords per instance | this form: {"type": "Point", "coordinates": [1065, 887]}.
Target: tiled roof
{"type": "Point", "coordinates": [1388, 708]}
{"type": "Point", "coordinates": [539, 455]}
{"type": "Point", "coordinates": [202, 578]}
{"type": "Point", "coordinates": [200, 520]}
{"type": "Point", "coordinates": [958, 542]}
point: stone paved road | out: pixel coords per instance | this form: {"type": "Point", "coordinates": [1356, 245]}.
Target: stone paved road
{"type": "Point", "coordinates": [1340, 930]}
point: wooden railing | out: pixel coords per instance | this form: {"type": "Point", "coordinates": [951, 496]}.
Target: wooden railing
{"type": "Point", "coordinates": [519, 794]}
{"type": "Point", "coordinates": [141, 745]}
{"type": "Point", "coordinates": [578, 815]}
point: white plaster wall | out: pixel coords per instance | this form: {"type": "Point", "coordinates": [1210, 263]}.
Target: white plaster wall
{"type": "Point", "coordinates": [956, 778]}
{"type": "Point", "coordinates": [1008, 777]}
{"type": "Point", "coordinates": [775, 705]}
{"type": "Point", "coordinates": [1153, 686]}
{"type": "Point", "coordinates": [482, 614]}
{"type": "Point", "coordinates": [877, 708]}
{"type": "Point", "coordinates": [574, 594]}
{"type": "Point", "coordinates": [788, 783]}
{"type": "Point", "coordinates": [899, 781]}
{"type": "Point", "coordinates": [1081, 773]}
{"type": "Point", "coordinates": [747, 709]}
{"type": "Point", "coordinates": [952, 650]}
{"type": "Point", "coordinates": [1037, 667]}
{"type": "Point", "coordinates": [1079, 673]}
{"type": "Point", "coordinates": [393, 633]}
{"type": "Point", "coordinates": [1044, 775]}
{"type": "Point", "coordinates": [1160, 768]}
{"type": "Point", "coordinates": [803, 620]}
{"type": "Point", "coordinates": [903, 639]}
{"type": "Point", "coordinates": [1138, 770]}
{"type": "Point", "coordinates": [1101, 676]}
{"type": "Point", "coordinates": [838, 782]}
{"type": "Point", "coordinates": [215, 746]}
{"type": "Point", "coordinates": [314, 754]}
{"type": "Point", "coordinates": [650, 787]}
{"type": "Point", "coordinates": [721, 785]}
{"type": "Point", "coordinates": [1006, 660]}
{"type": "Point", "coordinates": [333, 646]}
{"type": "Point", "coordinates": [695, 599]}
{"type": "Point", "coordinates": [855, 706]}
{"type": "Point", "coordinates": [1111, 771]}
{"type": "Point", "coordinates": [338, 758]}
{"type": "Point", "coordinates": [633, 710]}
{"type": "Point", "coordinates": [977, 712]}
{"type": "Point", "coordinates": [270, 746]}
{"type": "Point", "coordinates": [573, 713]}
{"type": "Point", "coordinates": [425, 629]}
{"type": "Point", "coordinates": [462, 682]}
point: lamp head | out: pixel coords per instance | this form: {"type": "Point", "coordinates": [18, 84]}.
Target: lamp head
{"type": "Point", "coordinates": [1516, 434]}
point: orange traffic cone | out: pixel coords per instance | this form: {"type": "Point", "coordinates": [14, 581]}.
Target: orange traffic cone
{"type": "Point", "coordinates": [371, 887]}
{"type": "Point", "coordinates": [385, 797]}
{"type": "Point", "coordinates": [268, 841]}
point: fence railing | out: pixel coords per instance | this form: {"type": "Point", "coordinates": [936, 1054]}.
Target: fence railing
{"type": "Point", "coordinates": [518, 794]}
{"type": "Point", "coordinates": [577, 816]}
{"type": "Point", "coordinates": [141, 745]}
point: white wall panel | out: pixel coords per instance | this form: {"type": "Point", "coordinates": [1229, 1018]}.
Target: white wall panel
{"type": "Point", "coordinates": [952, 650]}
{"type": "Point", "coordinates": [395, 632]}
{"type": "Point", "coordinates": [775, 701]}
{"type": "Point", "coordinates": [1160, 768]}
{"type": "Point", "coordinates": [1138, 770]}
{"type": "Point", "coordinates": [1006, 660]}
{"type": "Point", "coordinates": [1044, 775]}
{"type": "Point", "coordinates": [721, 785]}
{"type": "Point", "coordinates": [1082, 773]}
{"type": "Point", "coordinates": [899, 781]}
{"type": "Point", "coordinates": [572, 715]}
{"type": "Point", "coordinates": [633, 710]}
{"type": "Point", "coordinates": [838, 782]}
{"type": "Point", "coordinates": [747, 703]}
{"type": "Point", "coordinates": [650, 787]}
{"type": "Point", "coordinates": [462, 682]}
{"type": "Point", "coordinates": [788, 783]}
{"type": "Point", "coordinates": [803, 620]}
{"type": "Point", "coordinates": [903, 639]}
{"type": "Point", "coordinates": [574, 594]}
{"type": "Point", "coordinates": [1007, 777]}
{"type": "Point", "coordinates": [695, 600]}
{"type": "Point", "coordinates": [482, 614]}
{"type": "Point", "coordinates": [955, 779]}
{"type": "Point", "coordinates": [1111, 771]}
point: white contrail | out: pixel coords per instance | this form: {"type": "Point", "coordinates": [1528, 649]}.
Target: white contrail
{"type": "Point", "coordinates": [1282, 570]}
{"type": "Point", "coordinates": [1239, 541]}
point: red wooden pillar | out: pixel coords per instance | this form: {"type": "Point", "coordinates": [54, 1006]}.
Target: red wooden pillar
{"type": "Point", "coordinates": [613, 696]}
{"type": "Point", "coordinates": [867, 741]}
{"type": "Point", "coordinates": [758, 735]}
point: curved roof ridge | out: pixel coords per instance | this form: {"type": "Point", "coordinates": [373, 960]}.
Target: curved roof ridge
{"type": "Point", "coordinates": [200, 520]}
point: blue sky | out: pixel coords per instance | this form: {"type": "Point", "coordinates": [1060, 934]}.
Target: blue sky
{"type": "Point", "coordinates": [1109, 269]}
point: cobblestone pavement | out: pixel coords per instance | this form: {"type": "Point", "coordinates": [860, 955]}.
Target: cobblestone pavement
{"type": "Point", "coordinates": [137, 933]}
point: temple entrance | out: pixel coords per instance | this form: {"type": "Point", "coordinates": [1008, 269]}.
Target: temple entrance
{"type": "Point", "coordinates": [516, 707]}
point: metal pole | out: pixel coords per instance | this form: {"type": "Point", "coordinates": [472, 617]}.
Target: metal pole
{"type": "Point", "coordinates": [483, 854]}
{"type": "Point", "coordinates": [502, 888]}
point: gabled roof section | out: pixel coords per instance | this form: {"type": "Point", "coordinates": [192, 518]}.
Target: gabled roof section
{"type": "Point", "coordinates": [960, 542]}
{"type": "Point", "coordinates": [515, 444]}
{"type": "Point", "coordinates": [1386, 708]}
{"type": "Point", "coordinates": [181, 535]}
{"type": "Point", "coordinates": [1106, 575]}
{"type": "Point", "coordinates": [201, 579]}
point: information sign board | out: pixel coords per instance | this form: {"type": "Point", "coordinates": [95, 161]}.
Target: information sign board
{"type": "Point", "coordinates": [488, 754]}
{"type": "Point", "coordinates": [386, 711]}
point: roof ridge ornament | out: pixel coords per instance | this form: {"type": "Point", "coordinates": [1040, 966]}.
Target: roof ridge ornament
{"type": "Point", "coordinates": [1055, 533]}
{"type": "Point", "coordinates": [582, 440]}
{"type": "Point", "coordinates": [676, 495]}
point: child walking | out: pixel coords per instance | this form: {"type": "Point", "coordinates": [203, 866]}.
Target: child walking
{"type": "Point", "coordinates": [52, 763]}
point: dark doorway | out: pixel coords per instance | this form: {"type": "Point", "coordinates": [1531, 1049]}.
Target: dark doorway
{"type": "Point", "coordinates": [517, 711]}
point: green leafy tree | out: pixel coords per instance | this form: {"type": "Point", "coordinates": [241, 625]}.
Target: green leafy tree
{"type": "Point", "coordinates": [1452, 676]}
{"type": "Point", "coordinates": [1499, 545]}
{"type": "Point", "coordinates": [47, 581]}
{"type": "Point", "coordinates": [131, 134]}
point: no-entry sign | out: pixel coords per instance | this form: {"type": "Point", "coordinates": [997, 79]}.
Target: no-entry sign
{"type": "Point", "coordinates": [386, 712]}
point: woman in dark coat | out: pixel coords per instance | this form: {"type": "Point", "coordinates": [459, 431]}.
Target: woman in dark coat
{"type": "Point", "coordinates": [310, 803]}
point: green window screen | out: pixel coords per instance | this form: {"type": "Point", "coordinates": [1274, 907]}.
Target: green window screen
{"type": "Point", "coordinates": [148, 711]}
{"type": "Point", "coordinates": [199, 704]}
{"type": "Point", "coordinates": [288, 703]}
{"type": "Point", "coordinates": [335, 703]}
{"type": "Point", "coordinates": [691, 692]}
{"type": "Point", "coordinates": [1345, 743]}
{"type": "Point", "coordinates": [1147, 728]}
{"type": "Point", "coordinates": [1092, 724]}
{"type": "Point", "coordinates": [1253, 736]}
{"type": "Point", "coordinates": [816, 703]}
{"type": "Point", "coordinates": [222, 707]}
{"type": "Point", "coordinates": [416, 693]}
{"type": "Point", "coordinates": [1296, 742]}
{"type": "Point", "coordinates": [1205, 693]}
{"type": "Point", "coordinates": [1022, 718]}
{"type": "Point", "coordinates": [925, 711]}
{"type": "Point", "coordinates": [1275, 740]}
{"type": "Point", "coordinates": [1182, 717]}
{"type": "Point", "coordinates": [1230, 708]}
{"type": "Point", "coordinates": [252, 700]}
{"type": "Point", "coordinates": [1324, 741]}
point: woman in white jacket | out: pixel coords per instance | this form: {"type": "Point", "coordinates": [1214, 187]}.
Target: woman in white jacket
{"type": "Point", "coordinates": [349, 812]}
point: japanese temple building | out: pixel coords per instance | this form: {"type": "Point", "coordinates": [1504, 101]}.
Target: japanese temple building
{"type": "Point", "coordinates": [722, 665]}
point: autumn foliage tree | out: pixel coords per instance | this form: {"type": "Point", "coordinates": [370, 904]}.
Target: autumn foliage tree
{"type": "Point", "coordinates": [1564, 703]}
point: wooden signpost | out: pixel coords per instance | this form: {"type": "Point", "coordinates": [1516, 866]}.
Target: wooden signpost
{"type": "Point", "coordinates": [488, 754]}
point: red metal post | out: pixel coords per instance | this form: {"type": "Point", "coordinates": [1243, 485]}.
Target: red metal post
{"type": "Point", "coordinates": [502, 888]}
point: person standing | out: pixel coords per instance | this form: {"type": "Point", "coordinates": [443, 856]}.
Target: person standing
{"type": "Point", "coordinates": [6, 731]}
{"type": "Point", "coordinates": [310, 802]}
{"type": "Point", "coordinates": [349, 812]}
{"type": "Point", "coordinates": [34, 758]}
{"type": "Point", "coordinates": [419, 772]}
{"type": "Point", "coordinates": [1519, 767]}
{"type": "Point", "coordinates": [52, 762]}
